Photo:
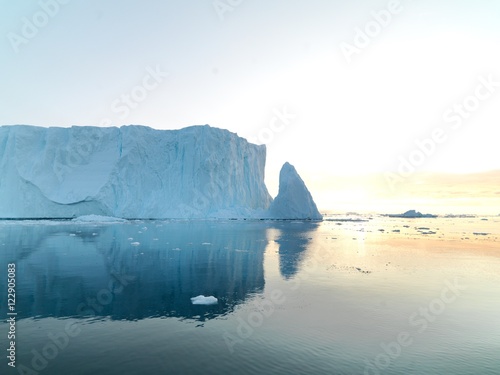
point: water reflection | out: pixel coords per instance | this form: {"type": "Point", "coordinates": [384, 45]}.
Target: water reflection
{"type": "Point", "coordinates": [143, 269]}
{"type": "Point", "coordinates": [293, 241]}
{"type": "Point", "coordinates": [136, 270]}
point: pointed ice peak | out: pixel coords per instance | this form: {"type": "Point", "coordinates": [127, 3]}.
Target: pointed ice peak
{"type": "Point", "coordinates": [294, 201]}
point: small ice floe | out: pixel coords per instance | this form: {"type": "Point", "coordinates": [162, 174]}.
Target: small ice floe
{"type": "Point", "coordinates": [155, 239]}
{"type": "Point", "coordinates": [206, 243]}
{"type": "Point", "coordinates": [135, 243]}
{"type": "Point", "coordinates": [361, 270]}
{"type": "Point", "coordinates": [202, 300]}
{"type": "Point", "coordinates": [411, 214]}
{"type": "Point", "coordinates": [72, 234]}
{"type": "Point", "coordinates": [98, 219]}
{"type": "Point", "coordinates": [130, 238]}
{"type": "Point", "coordinates": [348, 220]}
{"type": "Point", "coordinates": [427, 232]}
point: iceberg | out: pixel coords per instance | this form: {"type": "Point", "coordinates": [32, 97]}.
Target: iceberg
{"type": "Point", "coordinates": [202, 300]}
{"type": "Point", "coordinates": [412, 214]}
{"type": "Point", "coordinates": [294, 201]}
{"type": "Point", "coordinates": [136, 172]}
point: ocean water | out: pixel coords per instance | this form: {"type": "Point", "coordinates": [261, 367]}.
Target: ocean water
{"type": "Point", "coordinates": [350, 295]}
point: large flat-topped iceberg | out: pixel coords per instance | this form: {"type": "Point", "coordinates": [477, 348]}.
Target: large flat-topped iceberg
{"type": "Point", "coordinates": [130, 172]}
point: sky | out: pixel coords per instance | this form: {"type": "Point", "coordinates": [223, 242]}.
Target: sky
{"type": "Point", "coordinates": [378, 104]}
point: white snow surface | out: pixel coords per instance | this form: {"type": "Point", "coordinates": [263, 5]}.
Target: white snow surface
{"type": "Point", "coordinates": [202, 300]}
{"type": "Point", "coordinates": [136, 172]}
{"type": "Point", "coordinates": [294, 201]}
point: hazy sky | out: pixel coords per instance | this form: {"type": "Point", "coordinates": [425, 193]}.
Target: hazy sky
{"type": "Point", "coordinates": [337, 88]}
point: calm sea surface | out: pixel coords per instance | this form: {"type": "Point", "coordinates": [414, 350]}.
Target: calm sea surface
{"type": "Point", "coordinates": [371, 295]}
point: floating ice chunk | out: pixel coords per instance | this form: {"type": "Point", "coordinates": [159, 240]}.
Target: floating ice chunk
{"type": "Point", "coordinates": [202, 300]}
{"type": "Point", "coordinates": [135, 243]}
{"type": "Point", "coordinates": [411, 214]}
{"type": "Point", "coordinates": [98, 219]}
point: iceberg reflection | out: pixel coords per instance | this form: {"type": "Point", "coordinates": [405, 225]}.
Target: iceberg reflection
{"type": "Point", "coordinates": [135, 270]}
{"type": "Point", "coordinates": [293, 241]}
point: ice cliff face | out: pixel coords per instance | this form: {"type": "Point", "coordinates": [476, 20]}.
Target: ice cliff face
{"type": "Point", "coordinates": [131, 172]}
{"type": "Point", "coordinates": [293, 200]}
